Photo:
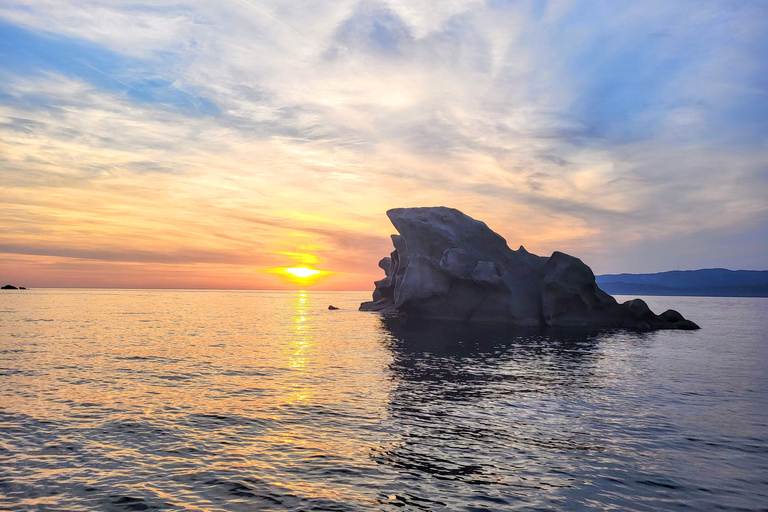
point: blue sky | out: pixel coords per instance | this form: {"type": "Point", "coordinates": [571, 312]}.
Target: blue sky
{"type": "Point", "coordinates": [219, 139]}
{"type": "Point", "coordinates": [28, 53]}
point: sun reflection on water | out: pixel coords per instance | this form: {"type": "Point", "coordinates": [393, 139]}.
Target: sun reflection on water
{"type": "Point", "coordinates": [118, 399]}
{"type": "Point", "coordinates": [246, 382]}
{"type": "Point", "coordinates": [300, 347]}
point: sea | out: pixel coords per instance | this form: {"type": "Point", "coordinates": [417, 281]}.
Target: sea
{"type": "Point", "coordinates": [130, 400]}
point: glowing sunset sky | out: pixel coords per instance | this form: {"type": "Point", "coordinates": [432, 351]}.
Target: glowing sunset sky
{"type": "Point", "coordinates": [201, 144]}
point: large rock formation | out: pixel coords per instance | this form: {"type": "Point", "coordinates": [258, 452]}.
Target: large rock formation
{"type": "Point", "coordinates": [448, 266]}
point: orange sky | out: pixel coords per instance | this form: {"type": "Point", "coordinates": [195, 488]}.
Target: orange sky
{"type": "Point", "coordinates": [201, 145]}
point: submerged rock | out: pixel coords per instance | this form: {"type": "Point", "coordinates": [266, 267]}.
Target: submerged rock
{"type": "Point", "coordinates": [448, 266]}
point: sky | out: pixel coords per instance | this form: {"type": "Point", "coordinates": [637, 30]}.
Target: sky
{"type": "Point", "coordinates": [196, 144]}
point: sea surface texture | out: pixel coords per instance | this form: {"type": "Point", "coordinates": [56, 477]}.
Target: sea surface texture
{"type": "Point", "coordinates": [207, 400]}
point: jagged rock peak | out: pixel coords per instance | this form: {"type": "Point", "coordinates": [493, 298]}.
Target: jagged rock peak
{"type": "Point", "coordinates": [449, 266]}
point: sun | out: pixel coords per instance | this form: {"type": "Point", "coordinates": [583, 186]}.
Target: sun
{"type": "Point", "coordinates": [299, 276]}
{"type": "Point", "coordinates": [302, 272]}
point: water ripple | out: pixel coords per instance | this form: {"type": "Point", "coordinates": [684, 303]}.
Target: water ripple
{"type": "Point", "coordinates": [143, 400]}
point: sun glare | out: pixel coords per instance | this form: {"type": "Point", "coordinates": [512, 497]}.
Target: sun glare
{"type": "Point", "coordinates": [299, 276]}
{"type": "Point", "coordinates": [302, 271]}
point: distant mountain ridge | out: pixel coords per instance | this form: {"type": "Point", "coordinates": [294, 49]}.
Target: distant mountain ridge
{"type": "Point", "coordinates": [709, 282]}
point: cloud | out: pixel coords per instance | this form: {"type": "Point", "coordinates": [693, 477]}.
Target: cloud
{"type": "Point", "coordinates": [599, 128]}
{"type": "Point", "coordinates": [27, 52]}
{"type": "Point", "coordinates": [135, 30]}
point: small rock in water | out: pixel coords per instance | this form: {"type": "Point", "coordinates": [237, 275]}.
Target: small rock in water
{"type": "Point", "coordinates": [332, 307]}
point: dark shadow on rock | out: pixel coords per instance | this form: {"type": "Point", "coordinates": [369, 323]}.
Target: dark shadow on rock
{"type": "Point", "coordinates": [449, 266]}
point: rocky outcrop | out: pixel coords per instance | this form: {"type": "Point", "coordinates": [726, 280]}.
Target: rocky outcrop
{"type": "Point", "coordinates": [448, 266]}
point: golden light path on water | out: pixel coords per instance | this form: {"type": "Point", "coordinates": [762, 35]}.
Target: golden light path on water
{"type": "Point", "coordinates": [251, 366]}
{"type": "Point", "coordinates": [207, 400]}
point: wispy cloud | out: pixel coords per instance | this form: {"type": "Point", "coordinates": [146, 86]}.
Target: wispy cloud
{"type": "Point", "coordinates": [244, 132]}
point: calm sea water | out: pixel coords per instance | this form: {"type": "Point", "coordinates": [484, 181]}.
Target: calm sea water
{"type": "Point", "coordinates": [206, 400]}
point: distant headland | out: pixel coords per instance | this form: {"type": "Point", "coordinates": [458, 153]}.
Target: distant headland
{"type": "Point", "coordinates": [449, 266]}
{"type": "Point", "coordinates": [710, 282]}
{"type": "Point", "coordinates": [11, 287]}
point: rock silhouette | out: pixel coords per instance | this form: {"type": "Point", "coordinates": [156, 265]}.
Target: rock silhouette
{"type": "Point", "coordinates": [448, 266]}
